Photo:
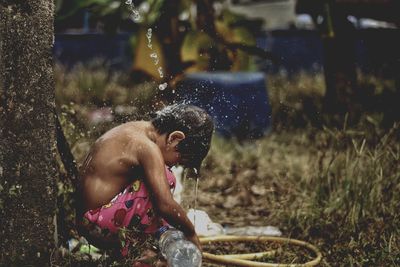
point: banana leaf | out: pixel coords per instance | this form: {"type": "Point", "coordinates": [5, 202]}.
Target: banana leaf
{"type": "Point", "coordinates": [142, 61]}
{"type": "Point", "coordinates": [194, 43]}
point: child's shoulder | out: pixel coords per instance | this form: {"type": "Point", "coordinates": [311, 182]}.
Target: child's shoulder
{"type": "Point", "coordinates": [136, 135]}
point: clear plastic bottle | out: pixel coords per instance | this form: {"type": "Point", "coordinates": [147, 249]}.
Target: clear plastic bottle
{"type": "Point", "coordinates": [177, 250]}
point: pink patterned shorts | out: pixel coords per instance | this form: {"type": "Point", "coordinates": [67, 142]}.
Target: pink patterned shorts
{"type": "Point", "coordinates": [132, 208]}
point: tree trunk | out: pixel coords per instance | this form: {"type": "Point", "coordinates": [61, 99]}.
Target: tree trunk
{"type": "Point", "coordinates": [338, 39]}
{"type": "Point", "coordinates": [339, 67]}
{"type": "Point", "coordinates": [27, 133]}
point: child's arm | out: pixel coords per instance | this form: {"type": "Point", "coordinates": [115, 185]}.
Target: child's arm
{"type": "Point", "coordinates": [150, 158]}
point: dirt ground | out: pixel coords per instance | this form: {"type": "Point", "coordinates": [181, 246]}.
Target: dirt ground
{"type": "Point", "coordinates": [239, 197]}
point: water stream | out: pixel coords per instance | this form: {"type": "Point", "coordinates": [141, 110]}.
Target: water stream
{"type": "Point", "coordinates": [136, 17]}
{"type": "Point", "coordinates": [135, 14]}
{"type": "Point", "coordinates": [196, 190]}
{"type": "Point", "coordinates": [190, 193]}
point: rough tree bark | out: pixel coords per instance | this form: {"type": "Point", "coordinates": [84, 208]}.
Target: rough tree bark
{"type": "Point", "coordinates": [27, 133]}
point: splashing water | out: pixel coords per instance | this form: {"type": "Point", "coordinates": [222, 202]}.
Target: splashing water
{"type": "Point", "coordinates": [154, 56]}
{"type": "Point", "coordinates": [135, 15]}
{"type": "Point", "coordinates": [190, 199]}
{"type": "Point", "coordinates": [162, 86]}
{"type": "Point", "coordinates": [160, 72]}
{"type": "Point", "coordinates": [148, 35]}
{"type": "Point", "coordinates": [196, 190]}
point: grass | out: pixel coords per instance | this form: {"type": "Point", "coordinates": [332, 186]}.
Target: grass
{"type": "Point", "coordinates": [94, 86]}
{"type": "Point", "coordinates": [336, 187]}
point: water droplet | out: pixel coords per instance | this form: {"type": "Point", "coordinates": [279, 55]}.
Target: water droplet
{"type": "Point", "coordinates": [162, 86]}
{"type": "Point", "coordinates": [155, 58]}
{"type": "Point", "coordinates": [148, 35]}
{"type": "Point", "coordinates": [135, 15]}
{"type": "Point", "coordinates": [160, 72]}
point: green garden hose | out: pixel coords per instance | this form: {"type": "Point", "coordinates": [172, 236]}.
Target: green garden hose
{"type": "Point", "coordinates": [246, 259]}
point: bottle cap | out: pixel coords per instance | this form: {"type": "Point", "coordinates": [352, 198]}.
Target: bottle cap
{"type": "Point", "coordinates": [161, 230]}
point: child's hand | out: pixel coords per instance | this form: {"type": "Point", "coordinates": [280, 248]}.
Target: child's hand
{"type": "Point", "coordinates": [149, 258]}
{"type": "Point", "coordinates": [195, 240]}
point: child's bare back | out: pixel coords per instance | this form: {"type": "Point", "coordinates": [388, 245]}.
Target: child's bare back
{"type": "Point", "coordinates": [112, 163]}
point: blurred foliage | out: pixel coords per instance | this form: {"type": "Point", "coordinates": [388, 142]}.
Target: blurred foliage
{"type": "Point", "coordinates": [297, 101]}
{"type": "Point", "coordinates": [94, 86]}
{"type": "Point", "coordinates": [99, 8]}
{"type": "Point", "coordinates": [187, 35]}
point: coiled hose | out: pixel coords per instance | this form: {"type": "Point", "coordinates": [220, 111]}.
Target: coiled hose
{"type": "Point", "coordinates": [246, 259]}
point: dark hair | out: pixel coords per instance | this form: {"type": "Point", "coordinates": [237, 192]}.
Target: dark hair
{"type": "Point", "coordinates": [195, 123]}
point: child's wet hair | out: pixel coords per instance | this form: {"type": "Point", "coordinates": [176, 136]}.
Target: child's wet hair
{"type": "Point", "coordinates": [194, 122]}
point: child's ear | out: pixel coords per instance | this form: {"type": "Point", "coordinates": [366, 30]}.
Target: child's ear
{"type": "Point", "coordinates": [175, 137]}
